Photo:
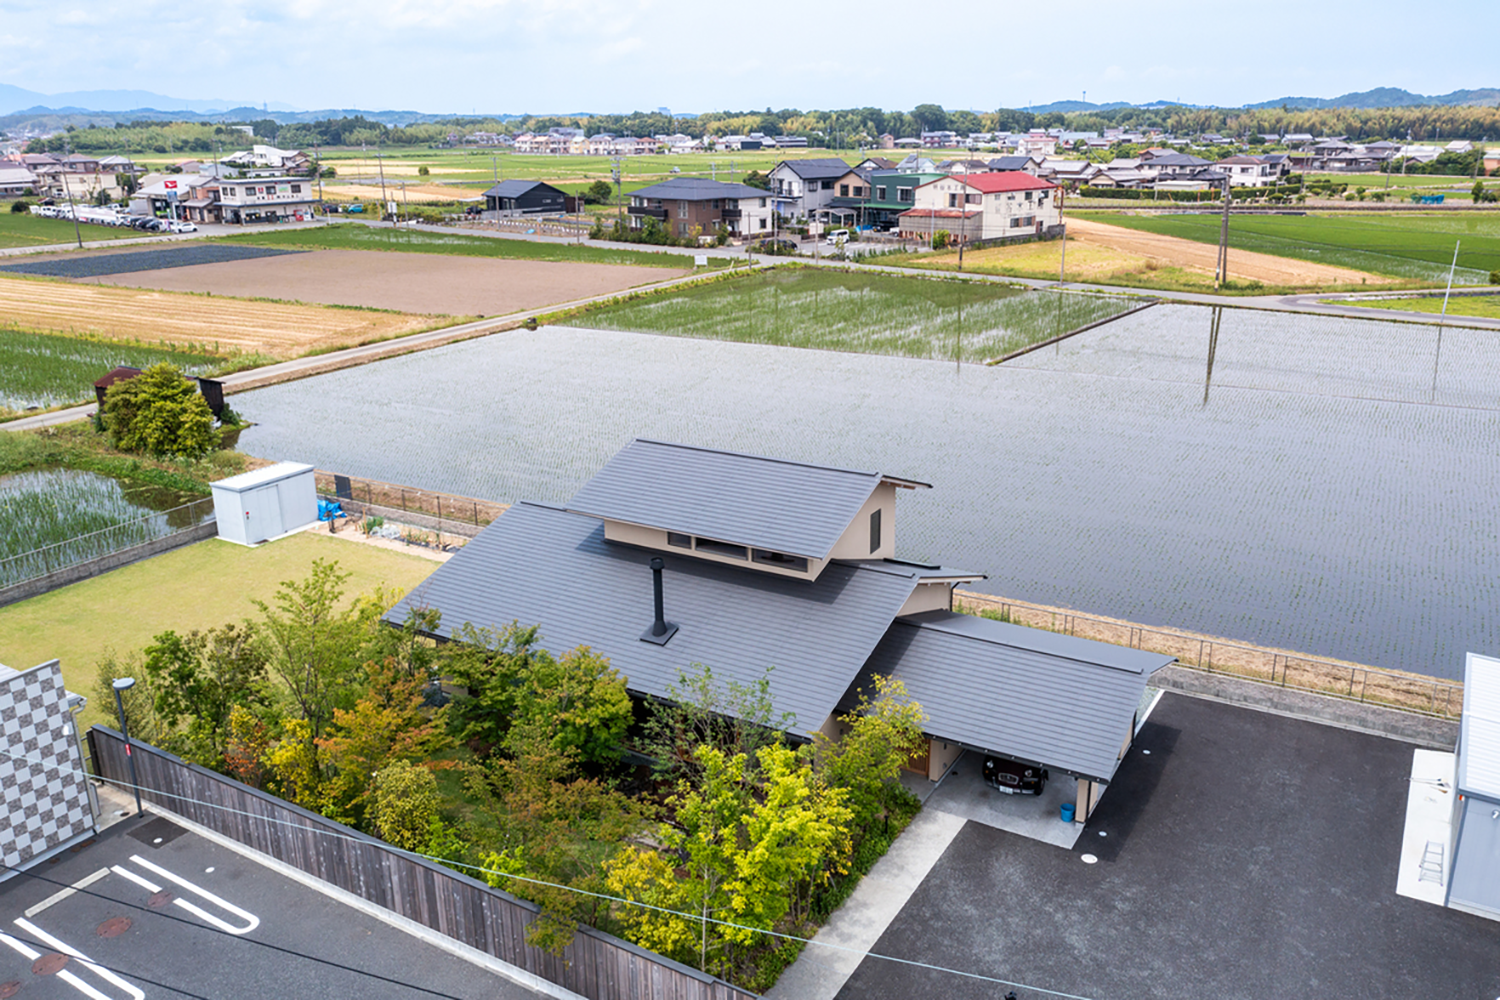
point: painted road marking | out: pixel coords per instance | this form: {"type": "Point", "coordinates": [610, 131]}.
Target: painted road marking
{"type": "Point", "coordinates": [251, 920]}
{"type": "Point", "coordinates": [58, 897]}
{"type": "Point", "coordinates": [64, 974]}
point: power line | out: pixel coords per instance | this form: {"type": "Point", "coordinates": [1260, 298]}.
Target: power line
{"type": "Point", "coordinates": [696, 918]}
{"type": "Point", "coordinates": [222, 933]}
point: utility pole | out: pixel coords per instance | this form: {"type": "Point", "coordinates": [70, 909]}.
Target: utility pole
{"type": "Point", "coordinates": [380, 163]}
{"type": "Point", "coordinates": [1221, 272]}
{"type": "Point", "coordinates": [1062, 267]}
{"type": "Point", "coordinates": [72, 209]}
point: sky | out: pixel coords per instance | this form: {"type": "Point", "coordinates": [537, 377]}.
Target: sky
{"type": "Point", "coordinates": [547, 56]}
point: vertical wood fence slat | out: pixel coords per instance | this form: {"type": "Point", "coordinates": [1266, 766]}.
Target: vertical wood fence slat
{"type": "Point", "coordinates": [595, 965]}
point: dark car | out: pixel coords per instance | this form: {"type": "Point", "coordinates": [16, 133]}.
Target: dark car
{"type": "Point", "coordinates": [1014, 778]}
{"type": "Point", "coordinates": [775, 248]}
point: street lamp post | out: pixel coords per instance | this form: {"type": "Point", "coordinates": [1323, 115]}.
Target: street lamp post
{"type": "Point", "coordinates": [125, 684]}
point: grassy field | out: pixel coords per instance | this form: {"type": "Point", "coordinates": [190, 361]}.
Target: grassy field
{"type": "Point", "coordinates": [199, 586]}
{"type": "Point", "coordinates": [482, 168]}
{"type": "Point", "coordinates": [45, 370]}
{"type": "Point", "coordinates": [1377, 182]}
{"type": "Point", "coordinates": [1418, 247]}
{"type": "Point", "coordinates": [354, 236]}
{"type": "Point", "coordinates": [860, 313]}
{"type": "Point", "coordinates": [22, 229]}
{"type": "Point", "coordinates": [1483, 306]}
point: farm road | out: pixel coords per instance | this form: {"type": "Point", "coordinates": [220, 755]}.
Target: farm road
{"type": "Point", "coordinates": [287, 371]}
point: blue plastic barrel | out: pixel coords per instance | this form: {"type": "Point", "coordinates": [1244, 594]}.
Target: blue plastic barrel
{"type": "Point", "coordinates": [1067, 812]}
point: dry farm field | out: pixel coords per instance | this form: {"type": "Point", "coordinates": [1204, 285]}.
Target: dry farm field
{"type": "Point", "coordinates": [214, 323]}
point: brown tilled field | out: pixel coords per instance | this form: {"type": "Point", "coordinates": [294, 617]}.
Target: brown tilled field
{"type": "Point", "coordinates": [1243, 264]}
{"type": "Point", "coordinates": [406, 282]}
{"type": "Point", "coordinates": [277, 329]}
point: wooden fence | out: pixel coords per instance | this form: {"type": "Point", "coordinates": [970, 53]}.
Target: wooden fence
{"type": "Point", "coordinates": [595, 965]}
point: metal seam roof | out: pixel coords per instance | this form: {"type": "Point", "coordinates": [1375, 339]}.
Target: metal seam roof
{"type": "Point", "coordinates": [1479, 735]}
{"type": "Point", "coordinates": [766, 503]}
{"type": "Point", "coordinates": [541, 565]}
{"type": "Point", "coordinates": [1056, 700]}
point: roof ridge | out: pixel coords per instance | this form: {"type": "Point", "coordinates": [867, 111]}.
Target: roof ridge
{"type": "Point", "coordinates": [768, 458]}
{"type": "Point", "coordinates": [913, 621]}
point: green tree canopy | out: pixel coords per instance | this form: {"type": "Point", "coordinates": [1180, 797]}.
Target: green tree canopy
{"type": "Point", "coordinates": [160, 413]}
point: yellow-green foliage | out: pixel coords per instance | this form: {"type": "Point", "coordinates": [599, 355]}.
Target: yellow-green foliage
{"type": "Point", "coordinates": [406, 803]}
{"type": "Point", "coordinates": [160, 413]}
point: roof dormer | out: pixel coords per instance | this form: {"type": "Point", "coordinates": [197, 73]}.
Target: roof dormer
{"type": "Point", "coordinates": [768, 515]}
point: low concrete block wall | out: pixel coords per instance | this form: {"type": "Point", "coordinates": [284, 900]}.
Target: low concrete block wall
{"type": "Point", "coordinates": [103, 564]}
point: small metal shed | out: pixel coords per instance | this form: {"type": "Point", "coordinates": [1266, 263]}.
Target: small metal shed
{"type": "Point", "coordinates": [266, 503]}
{"type": "Point", "coordinates": [1474, 885]}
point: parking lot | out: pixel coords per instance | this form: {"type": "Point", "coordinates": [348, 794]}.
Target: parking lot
{"type": "Point", "coordinates": [1247, 856]}
{"type": "Point", "coordinates": [149, 909]}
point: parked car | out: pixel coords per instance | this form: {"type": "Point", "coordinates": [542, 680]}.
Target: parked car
{"type": "Point", "coordinates": [836, 238]}
{"type": "Point", "coordinates": [355, 209]}
{"type": "Point", "coordinates": [181, 227]}
{"type": "Point", "coordinates": [775, 248]}
{"type": "Point", "coordinates": [1014, 778]}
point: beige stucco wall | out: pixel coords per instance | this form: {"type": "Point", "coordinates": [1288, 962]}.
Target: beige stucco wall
{"type": "Point", "coordinates": [855, 542]}
{"type": "Point", "coordinates": [655, 538]}
{"type": "Point", "coordinates": [928, 597]}
{"type": "Point", "coordinates": [943, 756]}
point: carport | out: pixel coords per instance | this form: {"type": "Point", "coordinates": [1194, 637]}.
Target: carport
{"type": "Point", "coordinates": [1474, 885]}
{"type": "Point", "coordinates": [996, 689]}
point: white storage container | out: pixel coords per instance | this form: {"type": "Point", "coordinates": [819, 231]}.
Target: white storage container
{"type": "Point", "coordinates": [266, 503]}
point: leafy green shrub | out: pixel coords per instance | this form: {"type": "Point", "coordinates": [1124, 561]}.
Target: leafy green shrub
{"type": "Point", "coordinates": [422, 171]}
{"type": "Point", "coordinates": [597, 193]}
{"type": "Point", "coordinates": [18, 207]}
{"type": "Point", "coordinates": [406, 803]}
{"type": "Point", "coordinates": [160, 413]}
{"type": "Point", "coordinates": [1495, 277]}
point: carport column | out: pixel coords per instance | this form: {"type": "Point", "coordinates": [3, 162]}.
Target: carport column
{"type": "Point", "coordinates": [1088, 799]}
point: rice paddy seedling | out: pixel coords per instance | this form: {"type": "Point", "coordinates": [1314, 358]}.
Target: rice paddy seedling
{"type": "Point", "coordinates": [43, 370]}
{"type": "Point", "coordinates": [860, 313]}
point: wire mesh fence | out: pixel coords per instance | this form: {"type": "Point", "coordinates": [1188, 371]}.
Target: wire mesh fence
{"type": "Point", "coordinates": [1407, 692]}
{"type": "Point", "coordinates": [55, 556]}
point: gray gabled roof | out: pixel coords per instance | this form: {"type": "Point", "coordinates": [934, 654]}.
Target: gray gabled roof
{"type": "Point", "coordinates": [1036, 696]}
{"type": "Point", "coordinates": [543, 566]}
{"type": "Point", "coordinates": [816, 168]}
{"type": "Point", "coordinates": [1009, 162]}
{"type": "Point", "coordinates": [516, 188]}
{"type": "Point", "coordinates": [698, 189]}
{"type": "Point", "coordinates": [766, 503]}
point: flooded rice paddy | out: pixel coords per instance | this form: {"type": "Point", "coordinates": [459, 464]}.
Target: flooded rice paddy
{"type": "Point", "coordinates": [1321, 484]}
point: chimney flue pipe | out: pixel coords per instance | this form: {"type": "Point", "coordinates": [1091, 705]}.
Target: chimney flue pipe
{"type": "Point", "coordinates": [661, 630]}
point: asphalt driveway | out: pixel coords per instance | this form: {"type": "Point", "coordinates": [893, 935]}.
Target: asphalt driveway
{"type": "Point", "coordinates": [1246, 856]}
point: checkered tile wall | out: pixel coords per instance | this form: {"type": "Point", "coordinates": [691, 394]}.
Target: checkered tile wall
{"type": "Point", "coordinates": [45, 797]}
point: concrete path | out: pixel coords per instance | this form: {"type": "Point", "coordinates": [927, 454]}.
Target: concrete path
{"type": "Point", "coordinates": [837, 950]}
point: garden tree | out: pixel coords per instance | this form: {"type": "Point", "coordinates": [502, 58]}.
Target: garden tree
{"type": "Point", "coordinates": [202, 677]}
{"type": "Point", "coordinates": [546, 821]}
{"type": "Point", "coordinates": [139, 701]}
{"type": "Point", "coordinates": [930, 117]}
{"type": "Point", "coordinates": [315, 645]}
{"type": "Point", "coordinates": [292, 765]}
{"type": "Point", "coordinates": [598, 193]}
{"type": "Point", "coordinates": [422, 171]}
{"type": "Point", "coordinates": [247, 742]}
{"type": "Point", "coordinates": [405, 805]}
{"type": "Point", "coordinates": [161, 413]}
{"type": "Point", "coordinates": [756, 179]}
{"type": "Point", "coordinates": [389, 723]}
{"type": "Point", "coordinates": [126, 182]}
{"type": "Point", "coordinates": [749, 839]}
{"type": "Point", "coordinates": [699, 710]}
{"type": "Point", "coordinates": [580, 700]}
{"type": "Point", "coordinates": [883, 734]}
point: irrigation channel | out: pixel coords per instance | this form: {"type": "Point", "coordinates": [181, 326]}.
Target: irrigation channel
{"type": "Point", "coordinates": [1314, 483]}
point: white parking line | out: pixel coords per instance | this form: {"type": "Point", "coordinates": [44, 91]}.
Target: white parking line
{"type": "Point", "coordinates": [71, 979]}
{"type": "Point", "coordinates": [58, 897]}
{"type": "Point", "coordinates": [251, 920]}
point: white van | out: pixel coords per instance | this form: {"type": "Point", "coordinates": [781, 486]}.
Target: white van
{"type": "Point", "coordinates": [836, 238]}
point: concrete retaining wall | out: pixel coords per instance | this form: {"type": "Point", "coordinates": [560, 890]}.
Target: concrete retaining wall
{"type": "Point", "coordinates": [103, 564]}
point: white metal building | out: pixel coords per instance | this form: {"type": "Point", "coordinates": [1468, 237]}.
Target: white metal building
{"type": "Point", "coordinates": [1474, 885]}
{"type": "Point", "coordinates": [265, 503]}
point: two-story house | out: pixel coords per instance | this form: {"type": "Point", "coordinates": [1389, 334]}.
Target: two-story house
{"type": "Point", "coordinates": [891, 193]}
{"type": "Point", "coordinates": [686, 204]}
{"type": "Point", "coordinates": [264, 196]}
{"type": "Point", "coordinates": [673, 557]}
{"type": "Point", "coordinates": [1246, 171]}
{"type": "Point", "coordinates": [983, 207]}
{"type": "Point", "coordinates": [802, 188]}
{"type": "Point", "coordinates": [519, 197]}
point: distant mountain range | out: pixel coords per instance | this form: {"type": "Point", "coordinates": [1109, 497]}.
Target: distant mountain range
{"type": "Point", "coordinates": [1380, 97]}
{"type": "Point", "coordinates": [13, 99]}
{"type": "Point", "coordinates": [28, 109]}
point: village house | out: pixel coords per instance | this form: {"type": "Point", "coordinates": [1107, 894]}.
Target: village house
{"type": "Point", "coordinates": [519, 197]}
{"type": "Point", "coordinates": [803, 188]}
{"type": "Point", "coordinates": [983, 207]}
{"type": "Point", "coordinates": [694, 557]}
{"type": "Point", "coordinates": [684, 205]}
{"type": "Point", "coordinates": [1246, 171]}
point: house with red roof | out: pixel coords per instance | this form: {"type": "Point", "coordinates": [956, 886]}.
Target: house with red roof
{"type": "Point", "coordinates": [989, 206]}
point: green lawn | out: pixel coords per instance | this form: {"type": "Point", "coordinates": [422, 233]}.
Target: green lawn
{"type": "Point", "coordinates": [22, 229]}
{"type": "Point", "coordinates": [1484, 306]}
{"type": "Point", "coordinates": [198, 586]}
{"type": "Point", "coordinates": [354, 236]}
{"type": "Point", "coordinates": [1377, 182]}
{"type": "Point", "coordinates": [861, 313]}
{"type": "Point", "coordinates": [1418, 247]}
